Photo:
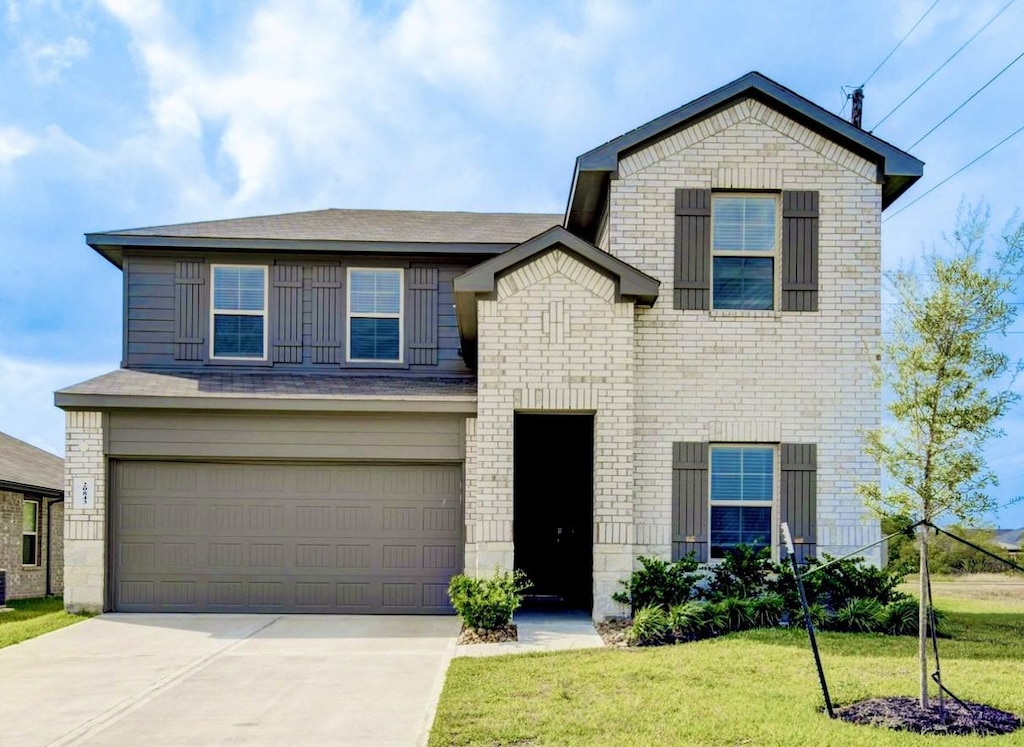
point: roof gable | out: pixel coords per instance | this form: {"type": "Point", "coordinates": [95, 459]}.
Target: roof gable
{"type": "Point", "coordinates": [629, 282]}
{"type": "Point", "coordinates": [897, 170]}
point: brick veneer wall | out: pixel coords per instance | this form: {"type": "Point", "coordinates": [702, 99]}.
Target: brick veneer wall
{"type": "Point", "coordinates": [84, 545]}
{"type": "Point", "coordinates": [26, 582]}
{"type": "Point", "coordinates": [553, 339]}
{"type": "Point", "coordinates": [755, 376]}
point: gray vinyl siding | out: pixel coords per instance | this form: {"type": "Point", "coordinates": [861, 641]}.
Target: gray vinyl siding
{"type": "Point", "coordinates": [218, 435]}
{"type": "Point", "coordinates": [167, 313]}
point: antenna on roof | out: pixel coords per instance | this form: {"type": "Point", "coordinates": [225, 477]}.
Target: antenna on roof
{"type": "Point", "coordinates": [857, 109]}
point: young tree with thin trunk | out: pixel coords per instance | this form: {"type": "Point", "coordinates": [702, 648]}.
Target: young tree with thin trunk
{"type": "Point", "coordinates": [945, 385]}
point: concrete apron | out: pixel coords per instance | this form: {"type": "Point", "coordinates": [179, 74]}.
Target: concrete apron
{"type": "Point", "coordinates": [125, 679]}
{"type": "Point", "coordinates": [542, 631]}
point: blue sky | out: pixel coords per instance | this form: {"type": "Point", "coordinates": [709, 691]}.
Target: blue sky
{"type": "Point", "coordinates": [120, 114]}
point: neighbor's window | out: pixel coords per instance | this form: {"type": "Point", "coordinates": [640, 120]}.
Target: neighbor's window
{"type": "Point", "coordinates": [239, 312]}
{"type": "Point", "coordinates": [30, 532]}
{"type": "Point", "coordinates": [742, 491]}
{"type": "Point", "coordinates": [743, 243]}
{"type": "Point", "coordinates": [375, 315]}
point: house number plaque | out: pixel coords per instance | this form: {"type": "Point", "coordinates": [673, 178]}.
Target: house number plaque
{"type": "Point", "coordinates": [83, 493]}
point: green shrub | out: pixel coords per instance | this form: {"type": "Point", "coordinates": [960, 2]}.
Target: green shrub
{"type": "Point", "coordinates": [716, 618]}
{"type": "Point", "coordinates": [739, 612]}
{"type": "Point", "coordinates": [900, 617]}
{"type": "Point", "coordinates": [487, 603]}
{"type": "Point", "coordinates": [768, 610]}
{"type": "Point", "coordinates": [848, 579]}
{"type": "Point", "coordinates": [650, 625]}
{"type": "Point", "coordinates": [659, 583]}
{"type": "Point", "coordinates": [743, 573]}
{"type": "Point", "coordinates": [821, 618]}
{"type": "Point", "coordinates": [687, 619]}
{"type": "Point", "coordinates": [859, 616]}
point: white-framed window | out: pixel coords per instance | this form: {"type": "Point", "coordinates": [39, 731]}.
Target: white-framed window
{"type": "Point", "coordinates": [238, 312]}
{"type": "Point", "coordinates": [375, 309]}
{"type": "Point", "coordinates": [744, 248]}
{"type": "Point", "coordinates": [742, 497]}
{"type": "Point", "coordinates": [29, 532]}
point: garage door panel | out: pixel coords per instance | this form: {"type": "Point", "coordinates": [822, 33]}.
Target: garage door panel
{"type": "Point", "coordinates": [346, 538]}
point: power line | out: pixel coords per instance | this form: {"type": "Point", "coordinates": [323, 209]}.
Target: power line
{"type": "Point", "coordinates": [898, 45]}
{"type": "Point", "coordinates": [959, 170]}
{"type": "Point", "coordinates": [948, 60]}
{"type": "Point", "coordinates": [968, 100]}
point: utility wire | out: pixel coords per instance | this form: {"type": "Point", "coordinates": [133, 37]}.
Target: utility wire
{"type": "Point", "coordinates": [968, 100]}
{"type": "Point", "coordinates": [958, 171]}
{"type": "Point", "coordinates": [930, 9]}
{"type": "Point", "coordinates": [948, 60]}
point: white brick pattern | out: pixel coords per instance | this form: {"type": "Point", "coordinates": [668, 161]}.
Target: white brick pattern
{"type": "Point", "coordinates": [84, 534]}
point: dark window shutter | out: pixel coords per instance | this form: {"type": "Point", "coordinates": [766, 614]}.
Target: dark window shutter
{"type": "Point", "coordinates": [799, 251]}
{"type": "Point", "coordinates": [690, 500]}
{"type": "Point", "coordinates": [328, 314]}
{"type": "Point", "coordinates": [799, 489]}
{"type": "Point", "coordinates": [422, 315]}
{"type": "Point", "coordinates": [692, 289]}
{"type": "Point", "coordinates": [190, 301]}
{"type": "Point", "coordinates": [287, 314]}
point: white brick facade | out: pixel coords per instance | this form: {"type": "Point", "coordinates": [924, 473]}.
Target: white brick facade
{"type": "Point", "coordinates": [756, 376]}
{"type": "Point", "coordinates": [554, 340]}
{"type": "Point", "coordinates": [84, 535]}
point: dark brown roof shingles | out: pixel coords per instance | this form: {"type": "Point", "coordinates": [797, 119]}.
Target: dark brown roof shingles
{"type": "Point", "coordinates": [24, 464]}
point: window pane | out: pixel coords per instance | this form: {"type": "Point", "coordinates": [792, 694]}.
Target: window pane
{"type": "Point", "coordinates": [238, 288]}
{"type": "Point", "coordinates": [29, 547]}
{"type": "Point", "coordinates": [374, 339]}
{"type": "Point", "coordinates": [743, 282]}
{"type": "Point", "coordinates": [739, 525]}
{"type": "Point", "coordinates": [742, 474]}
{"type": "Point", "coordinates": [376, 292]}
{"type": "Point", "coordinates": [744, 223]}
{"type": "Point", "coordinates": [237, 336]}
{"type": "Point", "coordinates": [29, 516]}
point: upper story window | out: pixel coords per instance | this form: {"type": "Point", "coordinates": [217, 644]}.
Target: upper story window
{"type": "Point", "coordinates": [743, 244]}
{"type": "Point", "coordinates": [742, 496]}
{"type": "Point", "coordinates": [29, 532]}
{"type": "Point", "coordinates": [375, 309]}
{"type": "Point", "coordinates": [239, 312]}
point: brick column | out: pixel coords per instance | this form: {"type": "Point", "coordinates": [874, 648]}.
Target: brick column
{"type": "Point", "coordinates": [84, 529]}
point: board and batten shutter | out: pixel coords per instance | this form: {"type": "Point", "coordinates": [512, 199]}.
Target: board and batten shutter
{"type": "Point", "coordinates": [190, 299]}
{"type": "Point", "coordinates": [692, 286]}
{"type": "Point", "coordinates": [422, 315]}
{"type": "Point", "coordinates": [799, 251]}
{"type": "Point", "coordinates": [287, 314]}
{"type": "Point", "coordinates": [690, 500]}
{"type": "Point", "coordinates": [328, 305]}
{"type": "Point", "coordinates": [798, 497]}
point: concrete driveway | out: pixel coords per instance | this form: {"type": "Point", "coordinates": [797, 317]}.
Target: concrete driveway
{"type": "Point", "coordinates": [127, 679]}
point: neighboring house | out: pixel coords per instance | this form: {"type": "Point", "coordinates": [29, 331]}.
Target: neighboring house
{"type": "Point", "coordinates": [1009, 540]}
{"type": "Point", "coordinates": [31, 519]}
{"type": "Point", "coordinates": [335, 411]}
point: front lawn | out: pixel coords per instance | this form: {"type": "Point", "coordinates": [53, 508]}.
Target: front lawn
{"type": "Point", "coordinates": [757, 687]}
{"type": "Point", "coordinates": [33, 617]}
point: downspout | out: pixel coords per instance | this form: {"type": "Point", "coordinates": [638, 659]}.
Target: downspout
{"type": "Point", "coordinates": [49, 544]}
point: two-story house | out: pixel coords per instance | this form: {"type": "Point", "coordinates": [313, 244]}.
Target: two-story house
{"type": "Point", "coordinates": [336, 411]}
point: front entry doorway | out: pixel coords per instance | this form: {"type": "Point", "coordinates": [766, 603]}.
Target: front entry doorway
{"type": "Point", "coordinates": [554, 499]}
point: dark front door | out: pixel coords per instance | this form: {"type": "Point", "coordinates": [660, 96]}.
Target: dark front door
{"type": "Point", "coordinates": [554, 487]}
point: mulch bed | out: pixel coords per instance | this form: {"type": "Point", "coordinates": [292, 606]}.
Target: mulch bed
{"type": "Point", "coordinates": [479, 635]}
{"type": "Point", "coordinates": [613, 632]}
{"type": "Point", "coordinates": [906, 714]}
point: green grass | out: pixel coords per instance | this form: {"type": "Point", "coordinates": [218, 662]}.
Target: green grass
{"type": "Point", "coordinates": [754, 688]}
{"type": "Point", "coordinates": [33, 617]}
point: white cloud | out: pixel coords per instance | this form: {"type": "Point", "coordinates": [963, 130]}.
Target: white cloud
{"type": "Point", "coordinates": [26, 398]}
{"type": "Point", "coordinates": [47, 60]}
{"type": "Point", "coordinates": [15, 143]}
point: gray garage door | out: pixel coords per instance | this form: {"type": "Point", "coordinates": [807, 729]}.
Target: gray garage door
{"type": "Point", "coordinates": [200, 537]}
